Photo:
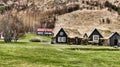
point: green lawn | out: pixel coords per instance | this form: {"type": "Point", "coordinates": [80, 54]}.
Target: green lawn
{"type": "Point", "coordinates": [27, 37]}
{"type": "Point", "coordinates": [28, 54]}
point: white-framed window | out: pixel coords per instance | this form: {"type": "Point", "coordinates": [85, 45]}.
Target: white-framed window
{"type": "Point", "coordinates": [59, 39]}
{"type": "Point", "coordinates": [61, 33]}
{"type": "Point", "coordinates": [95, 37]}
{"type": "Point", "coordinates": [62, 39]}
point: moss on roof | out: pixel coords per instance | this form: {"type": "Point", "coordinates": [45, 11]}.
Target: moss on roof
{"type": "Point", "coordinates": [105, 33]}
{"type": "Point", "coordinates": [72, 33]}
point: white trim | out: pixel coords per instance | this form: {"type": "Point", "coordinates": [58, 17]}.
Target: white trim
{"type": "Point", "coordinates": [113, 34]}
{"type": "Point", "coordinates": [96, 38]}
{"type": "Point", "coordinates": [61, 33]}
{"type": "Point", "coordinates": [62, 39]}
{"type": "Point", "coordinates": [59, 39]}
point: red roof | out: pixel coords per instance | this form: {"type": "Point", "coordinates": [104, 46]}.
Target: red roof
{"type": "Point", "coordinates": [44, 29]}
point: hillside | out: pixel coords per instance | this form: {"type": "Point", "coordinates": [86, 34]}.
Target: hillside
{"type": "Point", "coordinates": [87, 20]}
{"type": "Point", "coordinates": [103, 14]}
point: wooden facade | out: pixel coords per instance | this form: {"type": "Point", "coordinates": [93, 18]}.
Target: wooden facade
{"type": "Point", "coordinates": [75, 40]}
{"type": "Point", "coordinates": [63, 37]}
{"type": "Point", "coordinates": [114, 39]}
{"type": "Point", "coordinates": [111, 39]}
{"type": "Point", "coordinates": [97, 37]}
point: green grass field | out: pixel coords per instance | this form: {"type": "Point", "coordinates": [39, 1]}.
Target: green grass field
{"type": "Point", "coordinates": [28, 54]}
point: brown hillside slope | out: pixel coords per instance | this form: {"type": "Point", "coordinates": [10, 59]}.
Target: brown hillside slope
{"type": "Point", "coordinates": [92, 14]}
{"type": "Point", "coordinates": [87, 20]}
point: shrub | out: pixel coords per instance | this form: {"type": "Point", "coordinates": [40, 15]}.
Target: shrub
{"type": "Point", "coordinates": [35, 40]}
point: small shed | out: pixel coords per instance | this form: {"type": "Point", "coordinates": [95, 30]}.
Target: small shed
{"type": "Point", "coordinates": [67, 36]}
{"type": "Point", "coordinates": [61, 36]}
{"type": "Point", "coordinates": [44, 31]}
{"type": "Point", "coordinates": [114, 39]}
{"type": "Point", "coordinates": [109, 38]}
{"type": "Point", "coordinates": [105, 37]}
{"type": "Point", "coordinates": [106, 34]}
{"type": "Point", "coordinates": [95, 36]}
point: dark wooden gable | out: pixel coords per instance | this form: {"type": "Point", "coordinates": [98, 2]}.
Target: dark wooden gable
{"type": "Point", "coordinates": [85, 36]}
{"type": "Point", "coordinates": [114, 39]}
{"type": "Point", "coordinates": [61, 35]}
{"type": "Point", "coordinates": [61, 30]}
{"type": "Point", "coordinates": [95, 32]}
{"type": "Point", "coordinates": [115, 34]}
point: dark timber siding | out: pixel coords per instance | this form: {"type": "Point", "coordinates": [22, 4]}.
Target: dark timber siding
{"type": "Point", "coordinates": [114, 37]}
{"type": "Point", "coordinates": [95, 32]}
{"type": "Point", "coordinates": [64, 35]}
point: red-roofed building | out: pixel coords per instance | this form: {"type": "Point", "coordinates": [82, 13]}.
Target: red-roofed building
{"type": "Point", "coordinates": [44, 31]}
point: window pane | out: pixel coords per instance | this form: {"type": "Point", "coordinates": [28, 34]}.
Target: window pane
{"type": "Point", "coordinates": [95, 37]}
{"type": "Point", "coordinates": [63, 39]}
{"type": "Point", "coordinates": [59, 39]}
{"type": "Point", "coordinates": [61, 33]}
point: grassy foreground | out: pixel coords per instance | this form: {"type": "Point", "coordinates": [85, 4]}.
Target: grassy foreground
{"type": "Point", "coordinates": [27, 54]}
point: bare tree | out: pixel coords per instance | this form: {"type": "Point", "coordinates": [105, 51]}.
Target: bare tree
{"type": "Point", "coordinates": [12, 28]}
